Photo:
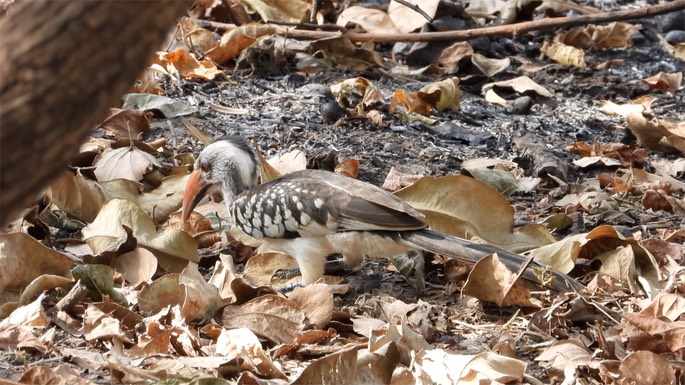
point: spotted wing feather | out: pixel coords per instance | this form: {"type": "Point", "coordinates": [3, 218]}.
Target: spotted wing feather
{"type": "Point", "coordinates": [315, 203]}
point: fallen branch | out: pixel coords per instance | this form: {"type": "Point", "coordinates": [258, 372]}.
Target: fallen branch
{"type": "Point", "coordinates": [502, 30]}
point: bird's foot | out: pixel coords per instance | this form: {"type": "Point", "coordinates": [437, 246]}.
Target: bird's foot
{"type": "Point", "coordinates": [288, 287]}
{"type": "Point", "coordinates": [334, 265]}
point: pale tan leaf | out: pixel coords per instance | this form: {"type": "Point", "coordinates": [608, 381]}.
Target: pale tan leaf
{"type": "Point", "coordinates": [448, 91]}
{"type": "Point", "coordinates": [338, 368]}
{"type": "Point", "coordinates": [31, 315]}
{"type": "Point", "coordinates": [288, 162]}
{"type": "Point", "coordinates": [521, 85]}
{"type": "Point", "coordinates": [126, 163]}
{"type": "Point", "coordinates": [370, 19]}
{"type": "Point", "coordinates": [614, 35]}
{"type": "Point", "coordinates": [488, 66]}
{"type": "Point", "coordinates": [564, 54]}
{"type": "Point", "coordinates": [292, 11]}
{"type": "Point", "coordinates": [406, 19]}
{"type": "Point", "coordinates": [136, 266]}
{"type": "Point", "coordinates": [449, 368]}
{"type": "Point", "coordinates": [173, 248]}
{"type": "Point", "coordinates": [468, 208]}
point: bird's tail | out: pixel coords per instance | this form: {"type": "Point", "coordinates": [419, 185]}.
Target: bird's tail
{"type": "Point", "coordinates": [472, 252]}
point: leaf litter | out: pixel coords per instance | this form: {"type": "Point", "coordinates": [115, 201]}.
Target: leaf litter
{"type": "Point", "coordinates": [150, 314]}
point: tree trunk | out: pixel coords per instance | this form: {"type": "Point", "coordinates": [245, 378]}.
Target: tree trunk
{"type": "Point", "coordinates": [62, 64]}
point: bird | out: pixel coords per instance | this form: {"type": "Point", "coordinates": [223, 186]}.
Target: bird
{"type": "Point", "coordinates": [312, 214]}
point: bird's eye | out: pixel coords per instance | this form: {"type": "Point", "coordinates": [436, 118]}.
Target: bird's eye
{"type": "Point", "coordinates": [204, 167]}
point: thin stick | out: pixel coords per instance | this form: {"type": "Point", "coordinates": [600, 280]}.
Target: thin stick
{"type": "Point", "coordinates": [503, 30]}
{"type": "Point", "coordinates": [415, 8]}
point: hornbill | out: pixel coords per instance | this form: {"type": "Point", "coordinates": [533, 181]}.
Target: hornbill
{"type": "Point", "coordinates": [312, 214]}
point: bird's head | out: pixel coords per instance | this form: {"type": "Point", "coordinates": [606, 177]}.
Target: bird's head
{"type": "Point", "coordinates": [228, 165]}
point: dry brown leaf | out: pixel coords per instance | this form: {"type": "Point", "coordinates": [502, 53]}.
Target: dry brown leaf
{"type": "Point", "coordinates": [638, 106]}
{"type": "Point", "coordinates": [657, 134]}
{"type": "Point", "coordinates": [670, 334]}
{"type": "Point", "coordinates": [286, 163]}
{"type": "Point", "coordinates": [31, 315]}
{"type": "Point", "coordinates": [396, 180]}
{"type": "Point", "coordinates": [444, 367]}
{"type": "Point", "coordinates": [269, 316]}
{"type": "Point", "coordinates": [677, 50]}
{"type": "Point", "coordinates": [411, 102]}
{"type": "Point", "coordinates": [347, 55]}
{"type": "Point", "coordinates": [645, 367]}
{"type": "Point", "coordinates": [669, 305]}
{"type": "Point", "coordinates": [201, 300]}
{"type": "Point", "coordinates": [235, 41]}
{"type": "Point", "coordinates": [185, 64]}
{"type": "Point", "coordinates": [575, 37]}
{"type": "Point", "coordinates": [348, 167]}
{"type": "Point", "coordinates": [338, 368]}
{"type": "Point", "coordinates": [344, 90]}
{"type": "Point", "coordinates": [451, 56]}
{"type": "Point", "coordinates": [62, 374]}
{"type": "Point", "coordinates": [566, 357]}
{"type": "Point", "coordinates": [316, 301]}
{"type": "Point", "coordinates": [20, 337]}
{"type": "Point", "coordinates": [162, 292]}
{"type": "Point", "coordinates": [669, 82]}
{"type": "Point", "coordinates": [98, 325]}
{"type": "Point", "coordinates": [492, 97]}
{"type": "Point", "coordinates": [614, 35]}
{"type": "Point", "coordinates": [23, 259]}
{"type": "Point", "coordinates": [242, 343]}
{"type": "Point", "coordinates": [261, 267]}
{"type": "Point", "coordinates": [82, 198]}
{"type": "Point", "coordinates": [491, 281]}
{"type": "Point", "coordinates": [222, 278]}
{"type": "Point", "coordinates": [136, 266]}
{"type": "Point", "coordinates": [125, 124]}
{"type": "Point", "coordinates": [195, 37]}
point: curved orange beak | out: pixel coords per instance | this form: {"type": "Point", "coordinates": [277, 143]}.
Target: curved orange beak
{"type": "Point", "coordinates": [195, 190]}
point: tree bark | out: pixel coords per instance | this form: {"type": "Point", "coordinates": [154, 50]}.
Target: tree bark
{"type": "Point", "coordinates": [62, 64]}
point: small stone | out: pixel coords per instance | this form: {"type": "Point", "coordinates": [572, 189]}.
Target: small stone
{"type": "Point", "coordinates": [331, 112]}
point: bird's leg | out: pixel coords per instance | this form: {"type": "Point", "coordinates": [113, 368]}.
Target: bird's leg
{"type": "Point", "coordinates": [335, 264]}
